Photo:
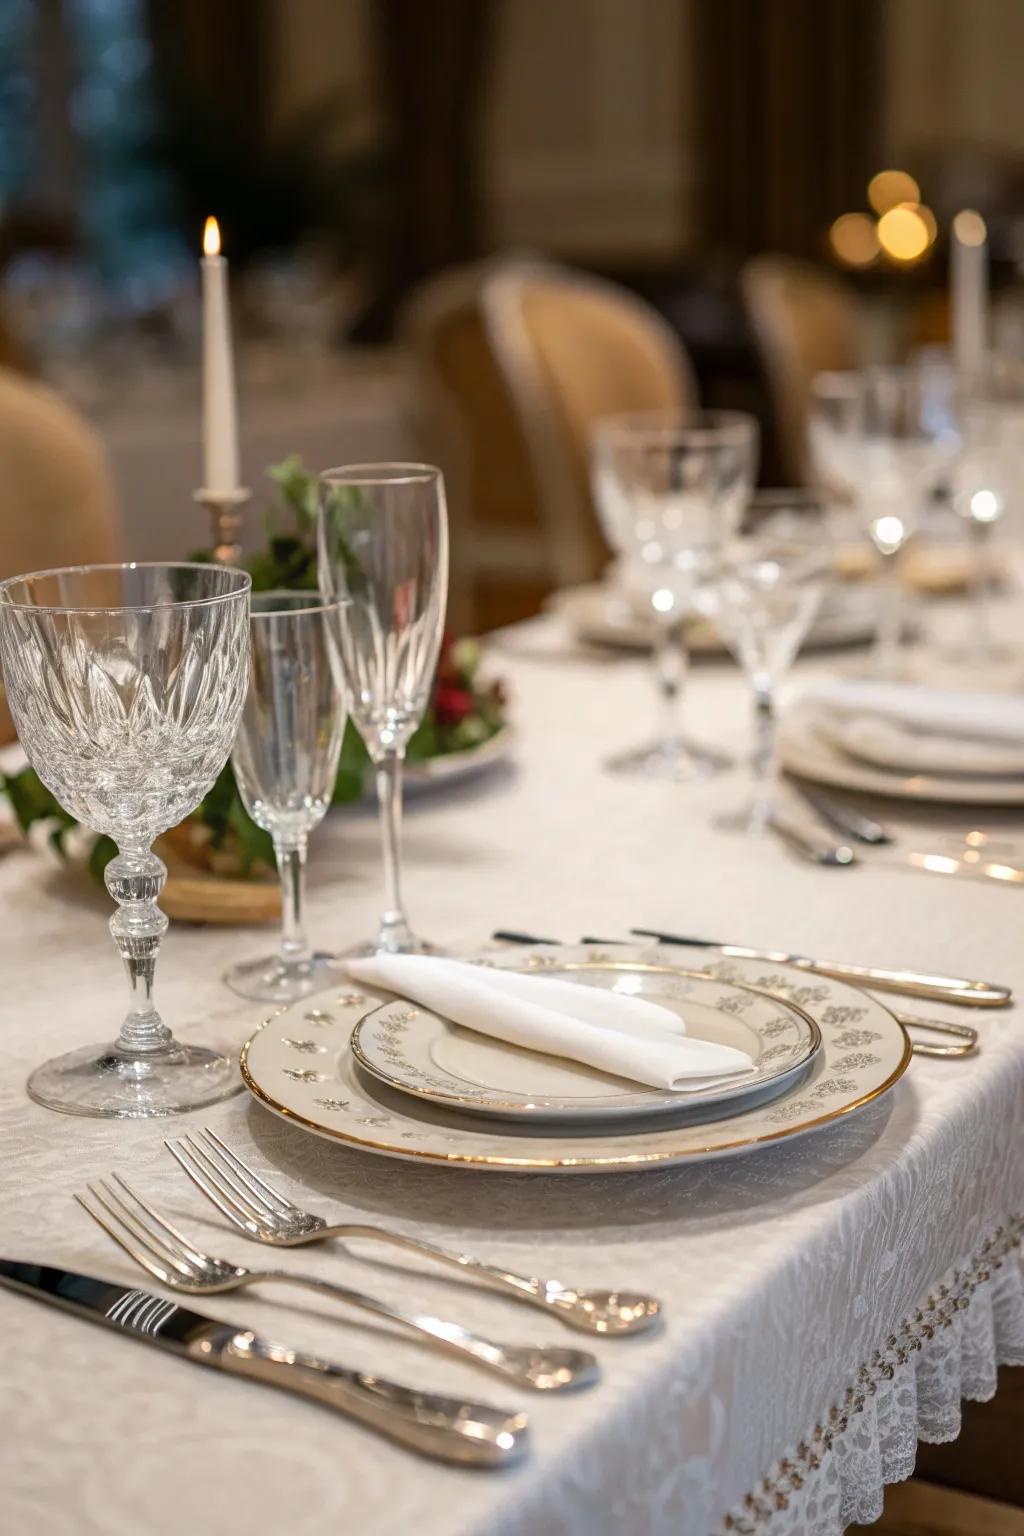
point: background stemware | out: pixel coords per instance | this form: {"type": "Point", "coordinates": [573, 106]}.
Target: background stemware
{"type": "Point", "coordinates": [285, 760]}
{"type": "Point", "coordinates": [383, 545]}
{"type": "Point", "coordinates": [773, 574]}
{"type": "Point", "coordinates": [669, 486]}
{"type": "Point", "coordinates": [126, 684]}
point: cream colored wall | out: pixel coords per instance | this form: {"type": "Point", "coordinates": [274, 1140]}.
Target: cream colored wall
{"type": "Point", "coordinates": [953, 74]}
{"type": "Point", "coordinates": [585, 147]}
{"type": "Point", "coordinates": [587, 138]}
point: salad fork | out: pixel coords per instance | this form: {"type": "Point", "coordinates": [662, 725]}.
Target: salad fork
{"type": "Point", "coordinates": [165, 1253]}
{"type": "Point", "coordinates": [262, 1213]}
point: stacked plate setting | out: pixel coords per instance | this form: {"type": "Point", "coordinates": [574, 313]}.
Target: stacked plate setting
{"type": "Point", "coordinates": [393, 1078]}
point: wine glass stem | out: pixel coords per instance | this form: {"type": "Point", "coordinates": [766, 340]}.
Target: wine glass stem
{"type": "Point", "coordinates": [763, 762]}
{"type": "Point", "coordinates": [291, 867]}
{"type": "Point", "coordinates": [135, 879]}
{"type": "Point", "coordinates": [890, 617]}
{"type": "Point", "coordinates": [982, 616]}
{"type": "Point", "coordinates": [670, 660]}
{"type": "Point", "coordinates": [394, 930]}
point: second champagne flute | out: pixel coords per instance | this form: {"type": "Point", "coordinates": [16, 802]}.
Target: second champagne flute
{"type": "Point", "coordinates": [383, 545]}
{"type": "Point", "coordinates": [285, 760]}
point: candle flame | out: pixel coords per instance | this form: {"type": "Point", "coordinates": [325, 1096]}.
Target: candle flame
{"type": "Point", "coordinates": [211, 238]}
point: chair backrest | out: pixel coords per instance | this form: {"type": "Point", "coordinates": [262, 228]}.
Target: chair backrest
{"type": "Point", "coordinates": [57, 504]}
{"type": "Point", "coordinates": [805, 322]}
{"type": "Point", "coordinates": [465, 422]}
{"type": "Point", "coordinates": [574, 349]}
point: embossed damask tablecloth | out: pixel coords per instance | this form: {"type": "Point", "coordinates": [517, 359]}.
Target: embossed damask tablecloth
{"type": "Point", "coordinates": [827, 1301]}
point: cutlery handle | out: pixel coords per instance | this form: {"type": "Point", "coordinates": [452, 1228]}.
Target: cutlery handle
{"type": "Point", "coordinates": [472, 1434]}
{"type": "Point", "coordinates": [962, 1032]}
{"type": "Point", "coordinates": [945, 989]}
{"type": "Point", "coordinates": [809, 842]}
{"type": "Point", "coordinates": [527, 1287]}
{"type": "Point", "coordinates": [843, 818]}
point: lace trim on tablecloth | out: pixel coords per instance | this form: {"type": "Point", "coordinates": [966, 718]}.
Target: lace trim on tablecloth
{"type": "Point", "coordinates": [909, 1390]}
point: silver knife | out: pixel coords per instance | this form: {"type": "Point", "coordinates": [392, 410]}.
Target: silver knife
{"type": "Point", "coordinates": [948, 989]}
{"type": "Point", "coordinates": [472, 1434]}
{"type": "Point", "coordinates": [843, 818]}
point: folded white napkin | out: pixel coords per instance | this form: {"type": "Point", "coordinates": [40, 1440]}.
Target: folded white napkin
{"type": "Point", "coordinates": [627, 1036]}
{"type": "Point", "coordinates": [886, 744]}
{"type": "Point", "coordinates": [982, 716]}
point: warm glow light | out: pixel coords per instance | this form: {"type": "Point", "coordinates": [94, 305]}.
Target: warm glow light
{"type": "Point", "coordinates": [663, 600]}
{"type": "Point", "coordinates": [931, 225]}
{"type": "Point", "coordinates": [986, 506]}
{"type": "Point", "coordinates": [889, 188]}
{"type": "Point", "coordinates": [903, 233]}
{"type": "Point", "coordinates": [853, 239]}
{"type": "Point", "coordinates": [888, 532]}
{"type": "Point", "coordinates": [211, 238]}
{"type": "Point", "coordinates": [969, 227]}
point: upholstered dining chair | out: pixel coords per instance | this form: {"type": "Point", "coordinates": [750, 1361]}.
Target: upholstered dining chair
{"type": "Point", "coordinates": [804, 322]}
{"type": "Point", "coordinates": [572, 349]}
{"type": "Point", "coordinates": [465, 422]}
{"type": "Point", "coordinates": [57, 504]}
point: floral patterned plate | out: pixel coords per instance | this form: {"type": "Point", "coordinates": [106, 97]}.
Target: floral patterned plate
{"type": "Point", "coordinates": [298, 1063]}
{"type": "Point", "coordinates": [420, 1052]}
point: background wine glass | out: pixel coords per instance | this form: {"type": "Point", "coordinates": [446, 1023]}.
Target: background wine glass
{"type": "Point", "coordinates": [285, 759]}
{"type": "Point", "coordinates": [383, 545]}
{"type": "Point", "coordinates": [126, 684]}
{"type": "Point", "coordinates": [773, 574]}
{"type": "Point", "coordinates": [668, 487]}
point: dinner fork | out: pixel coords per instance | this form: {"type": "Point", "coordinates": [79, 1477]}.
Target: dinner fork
{"type": "Point", "coordinates": [165, 1253]}
{"type": "Point", "coordinates": [263, 1213]}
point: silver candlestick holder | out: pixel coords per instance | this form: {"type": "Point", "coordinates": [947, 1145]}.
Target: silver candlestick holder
{"type": "Point", "coordinates": [225, 509]}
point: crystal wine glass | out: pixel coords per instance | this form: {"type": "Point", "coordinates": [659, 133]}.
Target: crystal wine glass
{"type": "Point", "coordinates": [126, 685]}
{"type": "Point", "coordinates": [896, 435]}
{"type": "Point", "coordinates": [285, 759]}
{"type": "Point", "coordinates": [383, 545]}
{"type": "Point", "coordinates": [764, 597]}
{"type": "Point", "coordinates": [668, 487]}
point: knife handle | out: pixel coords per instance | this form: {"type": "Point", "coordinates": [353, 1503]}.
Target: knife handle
{"type": "Point", "coordinates": [471, 1434]}
{"type": "Point", "coordinates": [942, 989]}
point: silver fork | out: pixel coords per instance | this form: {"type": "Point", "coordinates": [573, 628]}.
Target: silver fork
{"type": "Point", "coordinates": [165, 1253]}
{"type": "Point", "coordinates": [263, 1213]}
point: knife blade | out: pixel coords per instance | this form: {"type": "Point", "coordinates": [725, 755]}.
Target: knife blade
{"type": "Point", "coordinates": [949, 989]}
{"type": "Point", "coordinates": [468, 1433]}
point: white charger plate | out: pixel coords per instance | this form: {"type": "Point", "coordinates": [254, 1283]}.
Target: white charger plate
{"type": "Point", "coordinates": [806, 749]}
{"type": "Point", "coordinates": [416, 1051]}
{"type": "Point", "coordinates": [298, 1064]}
{"type": "Point", "coordinates": [601, 614]}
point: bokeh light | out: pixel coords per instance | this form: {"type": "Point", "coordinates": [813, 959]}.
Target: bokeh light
{"type": "Point", "coordinates": [854, 240]}
{"type": "Point", "coordinates": [903, 233]}
{"type": "Point", "coordinates": [969, 227]}
{"type": "Point", "coordinates": [888, 189]}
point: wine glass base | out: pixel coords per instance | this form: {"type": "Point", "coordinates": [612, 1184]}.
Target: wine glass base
{"type": "Point", "coordinates": [411, 945]}
{"type": "Point", "coordinates": [270, 979]}
{"type": "Point", "coordinates": [102, 1081]}
{"type": "Point", "coordinates": [680, 759]}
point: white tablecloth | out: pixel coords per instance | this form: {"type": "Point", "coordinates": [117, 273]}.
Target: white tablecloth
{"type": "Point", "coordinates": [826, 1302]}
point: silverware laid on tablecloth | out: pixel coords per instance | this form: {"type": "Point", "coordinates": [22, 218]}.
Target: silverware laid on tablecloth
{"type": "Point", "coordinates": [261, 1212]}
{"type": "Point", "coordinates": [450, 1429]}
{"type": "Point", "coordinates": [945, 989]}
{"type": "Point", "coordinates": [160, 1249]}
{"type": "Point", "coordinates": [842, 818]}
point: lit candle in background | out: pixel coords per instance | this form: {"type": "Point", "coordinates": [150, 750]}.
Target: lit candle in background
{"type": "Point", "coordinates": [220, 415]}
{"type": "Point", "coordinates": [969, 289]}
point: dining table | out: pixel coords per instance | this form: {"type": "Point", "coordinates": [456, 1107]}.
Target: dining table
{"type": "Point", "coordinates": [828, 1301]}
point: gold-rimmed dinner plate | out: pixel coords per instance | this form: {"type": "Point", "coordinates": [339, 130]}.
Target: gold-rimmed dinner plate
{"type": "Point", "coordinates": [419, 1052]}
{"type": "Point", "coordinates": [298, 1064]}
{"type": "Point", "coordinates": [807, 749]}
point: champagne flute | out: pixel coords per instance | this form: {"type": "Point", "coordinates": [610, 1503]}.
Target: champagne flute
{"type": "Point", "coordinates": [286, 760]}
{"type": "Point", "coordinates": [668, 487]}
{"type": "Point", "coordinates": [383, 544]}
{"type": "Point", "coordinates": [126, 684]}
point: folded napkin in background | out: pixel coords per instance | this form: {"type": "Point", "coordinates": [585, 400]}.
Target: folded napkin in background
{"type": "Point", "coordinates": [627, 1036]}
{"type": "Point", "coordinates": [942, 711]}
{"type": "Point", "coordinates": [885, 744]}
